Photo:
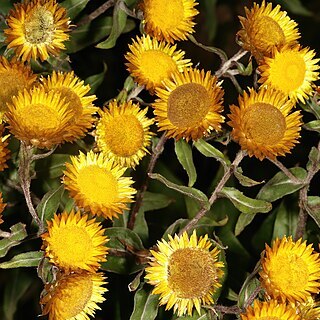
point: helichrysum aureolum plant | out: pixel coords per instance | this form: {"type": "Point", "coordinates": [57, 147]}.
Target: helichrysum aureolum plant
{"type": "Point", "coordinates": [105, 210]}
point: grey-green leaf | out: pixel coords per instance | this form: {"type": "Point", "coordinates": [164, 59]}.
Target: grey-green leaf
{"type": "Point", "coordinates": [154, 201]}
{"type": "Point", "coordinates": [314, 159]}
{"type": "Point", "coordinates": [280, 185]}
{"type": "Point", "coordinates": [74, 7]}
{"type": "Point", "coordinates": [244, 220]}
{"type": "Point", "coordinates": [245, 181]}
{"type": "Point", "coordinates": [184, 154]}
{"type": "Point", "coordinates": [96, 80]}
{"type": "Point", "coordinates": [244, 203]}
{"type": "Point", "coordinates": [313, 209]}
{"type": "Point", "coordinates": [313, 125]}
{"type": "Point", "coordinates": [295, 6]}
{"type": "Point", "coordinates": [141, 227]}
{"type": "Point", "coordinates": [26, 259]}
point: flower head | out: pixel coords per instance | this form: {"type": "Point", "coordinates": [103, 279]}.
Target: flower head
{"type": "Point", "coordinates": [185, 272]}
{"type": "Point", "coordinates": [39, 118]}
{"type": "Point", "coordinates": [97, 185]}
{"type": "Point", "coordinates": [189, 105]}
{"type": "Point", "coordinates": [263, 124]}
{"type": "Point", "coordinates": [4, 151]}
{"type": "Point", "coordinates": [37, 29]}
{"type": "Point", "coordinates": [123, 133]}
{"type": "Point", "coordinates": [290, 70]}
{"type": "Point", "coordinates": [2, 206]}
{"type": "Point", "coordinates": [151, 61]}
{"type": "Point", "coordinates": [74, 242]}
{"type": "Point", "coordinates": [80, 105]}
{"type": "Point", "coordinates": [290, 270]}
{"type": "Point", "coordinates": [269, 310]}
{"type": "Point", "coordinates": [309, 310]}
{"type": "Point", "coordinates": [14, 77]}
{"type": "Point", "coordinates": [265, 28]}
{"type": "Point", "coordinates": [169, 21]}
{"type": "Point", "coordinates": [74, 296]}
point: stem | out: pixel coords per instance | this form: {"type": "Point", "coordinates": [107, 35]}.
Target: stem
{"type": "Point", "coordinates": [154, 157]}
{"type": "Point", "coordinates": [226, 310]}
{"type": "Point", "coordinates": [214, 196]}
{"type": "Point", "coordinates": [4, 234]}
{"type": "Point", "coordinates": [135, 92]}
{"type": "Point", "coordinates": [286, 171]}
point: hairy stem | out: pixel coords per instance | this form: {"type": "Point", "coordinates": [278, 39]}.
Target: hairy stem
{"type": "Point", "coordinates": [286, 171]}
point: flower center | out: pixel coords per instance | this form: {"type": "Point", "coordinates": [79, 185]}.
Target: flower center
{"type": "Point", "coordinates": [11, 82]}
{"type": "Point", "coordinates": [268, 34]}
{"type": "Point", "coordinates": [165, 15]}
{"type": "Point", "coordinates": [268, 318]}
{"type": "Point", "coordinates": [124, 135]}
{"type": "Point", "coordinates": [98, 185]}
{"type": "Point", "coordinates": [156, 65]}
{"type": "Point", "coordinates": [39, 117]}
{"type": "Point", "coordinates": [71, 244]}
{"type": "Point", "coordinates": [288, 273]}
{"type": "Point", "coordinates": [264, 123]}
{"type": "Point", "coordinates": [39, 26]}
{"type": "Point", "coordinates": [188, 105]}
{"type": "Point", "coordinates": [287, 71]}
{"type": "Point", "coordinates": [191, 273]}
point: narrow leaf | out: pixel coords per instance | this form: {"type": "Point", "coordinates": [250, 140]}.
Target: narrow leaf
{"type": "Point", "coordinates": [244, 220]}
{"type": "Point", "coordinates": [96, 80]}
{"type": "Point", "coordinates": [314, 159]}
{"type": "Point", "coordinates": [26, 259]}
{"type": "Point", "coordinates": [53, 166]}
{"type": "Point", "coordinates": [243, 203]}
{"type": "Point", "coordinates": [245, 181]}
{"type": "Point", "coordinates": [74, 7]}
{"type": "Point", "coordinates": [190, 192]}
{"type": "Point", "coordinates": [135, 283]}
{"type": "Point", "coordinates": [313, 125]}
{"type": "Point", "coordinates": [313, 209]}
{"type": "Point", "coordinates": [184, 154]}
{"type": "Point", "coordinates": [141, 227]}
{"type": "Point", "coordinates": [154, 201]}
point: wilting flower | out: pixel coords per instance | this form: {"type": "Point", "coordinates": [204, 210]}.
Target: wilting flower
{"type": "Point", "coordinates": [4, 151]}
{"type": "Point", "coordinates": [2, 206]}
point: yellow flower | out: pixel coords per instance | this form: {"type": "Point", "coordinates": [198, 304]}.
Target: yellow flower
{"type": "Point", "coordinates": [37, 28]}
{"type": "Point", "coordinates": [74, 296]}
{"type": "Point", "coordinates": [14, 77]}
{"type": "Point", "coordinates": [190, 105]}
{"type": "Point", "coordinates": [74, 242]}
{"type": "Point", "coordinates": [269, 310]}
{"type": "Point", "coordinates": [290, 270]}
{"type": "Point", "coordinates": [151, 61]}
{"type": "Point", "coordinates": [309, 310]}
{"type": "Point", "coordinates": [123, 133]}
{"type": "Point", "coordinates": [39, 118]}
{"type": "Point", "coordinates": [74, 91]}
{"type": "Point", "coordinates": [4, 151]}
{"type": "Point", "coordinates": [2, 206]}
{"type": "Point", "coordinates": [291, 71]}
{"type": "Point", "coordinates": [185, 272]}
{"type": "Point", "coordinates": [263, 125]}
{"type": "Point", "coordinates": [265, 28]}
{"type": "Point", "coordinates": [96, 184]}
{"type": "Point", "coordinates": [169, 21]}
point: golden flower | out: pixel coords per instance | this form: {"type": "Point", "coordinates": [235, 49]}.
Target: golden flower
{"type": "Point", "coordinates": [262, 124]}
{"type": "Point", "coordinates": [185, 272]}
{"type": "Point", "coordinates": [14, 77]}
{"type": "Point", "coordinates": [2, 206]}
{"type": "Point", "coordinates": [151, 61]}
{"type": "Point", "coordinates": [37, 28]}
{"type": "Point", "coordinates": [169, 21]}
{"type": "Point", "coordinates": [265, 28]}
{"type": "Point", "coordinates": [74, 296]}
{"type": "Point", "coordinates": [123, 133]}
{"type": "Point", "coordinates": [4, 151]}
{"type": "Point", "coordinates": [291, 71]}
{"type": "Point", "coordinates": [75, 92]}
{"type": "Point", "coordinates": [290, 270]}
{"type": "Point", "coordinates": [96, 184]}
{"type": "Point", "coordinates": [309, 310]}
{"type": "Point", "coordinates": [189, 105]}
{"type": "Point", "coordinates": [269, 310]}
{"type": "Point", "coordinates": [74, 242]}
{"type": "Point", "coordinates": [39, 118]}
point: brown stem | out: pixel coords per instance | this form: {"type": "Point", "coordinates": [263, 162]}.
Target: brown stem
{"type": "Point", "coordinates": [286, 171]}
{"type": "Point", "coordinates": [240, 155]}
{"type": "Point", "coordinates": [154, 157]}
{"type": "Point", "coordinates": [225, 309]}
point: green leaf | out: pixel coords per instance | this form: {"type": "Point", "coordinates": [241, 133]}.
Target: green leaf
{"type": "Point", "coordinates": [313, 125]}
{"type": "Point", "coordinates": [295, 6]}
{"type": "Point", "coordinates": [135, 283]}
{"type": "Point", "coordinates": [313, 208]}
{"type": "Point", "coordinates": [145, 305]}
{"type": "Point", "coordinates": [243, 203]}
{"type": "Point", "coordinates": [49, 204]}
{"type": "Point", "coordinates": [280, 185]}
{"type": "Point", "coordinates": [26, 259]}
{"type": "Point", "coordinates": [74, 7]}
{"type": "Point", "coordinates": [209, 7]}
{"type": "Point", "coordinates": [18, 233]}
{"type": "Point", "coordinates": [210, 151]}
{"type": "Point", "coordinates": [245, 181]}
{"type": "Point", "coordinates": [119, 23]}
{"type": "Point", "coordinates": [246, 291]}
{"type": "Point", "coordinates": [53, 166]}
{"type": "Point", "coordinates": [95, 80]}
{"type": "Point", "coordinates": [175, 227]}
{"type": "Point", "coordinates": [184, 154]}
{"type": "Point", "coordinates": [314, 159]}
{"type": "Point", "coordinates": [190, 192]}
{"type": "Point", "coordinates": [154, 201]}
{"type": "Point", "coordinates": [141, 227]}
{"type": "Point", "coordinates": [244, 220]}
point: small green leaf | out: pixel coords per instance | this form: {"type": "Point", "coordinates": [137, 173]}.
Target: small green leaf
{"type": "Point", "coordinates": [243, 203]}
{"type": "Point", "coordinates": [135, 283]}
{"type": "Point", "coordinates": [95, 80]}
{"type": "Point", "coordinates": [18, 233]}
{"type": "Point", "coordinates": [49, 204]}
{"type": "Point", "coordinates": [280, 185]}
{"type": "Point", "coordinates": [175, 227]}
{"type": "Point", "coordinates": [184, 154]}
{"type": "Point", "coordinates": [313, 125]}
{"type": "Point", "coordinates": [246, 291]}
{"type": "Point", "coordinates": [53, 166]}
{"type": "Point", "coordinates": [245, 181]}
{"type": "Point", "coordinates": [141, 227]}
{"type": "Point", "coordinates": [210, 151]}
{"type": "Point", "coordinates": [145, 304]}
{"type": "Point", "coordinates": [74, 7]}
{"type": "Point", "coordinates": [154, 201]}
{"type": "Point", "coordinates": [244, 220]}
{"type": "Point", "coordinates": [190, 192]}
{"type": "Point", "coordinates": [26, 259]}
{"type": "Point", "coordinates": [295, 6]}
{"type": "Point", "coordinates": [314, 159]}
{"type": "Point", "coordinates": [313, 209]}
